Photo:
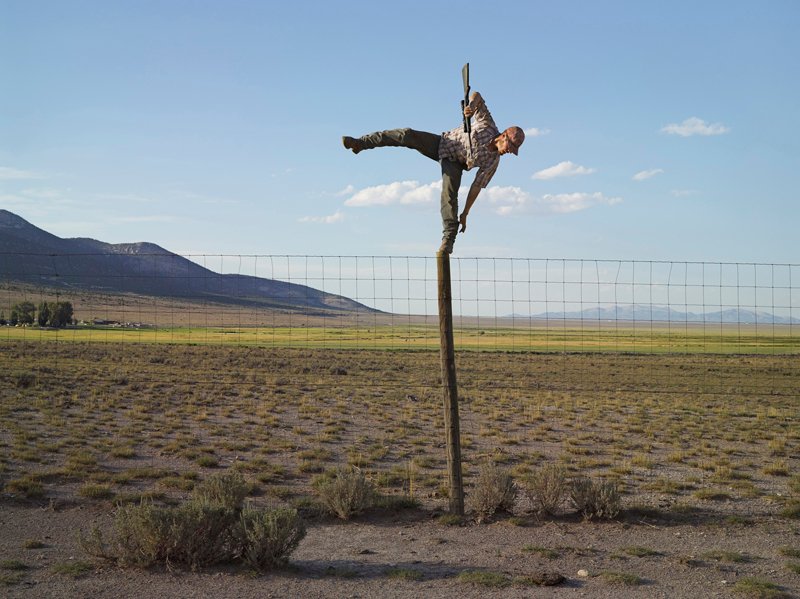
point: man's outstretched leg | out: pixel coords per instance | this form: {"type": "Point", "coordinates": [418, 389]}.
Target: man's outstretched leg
{"type": "Point", "coordinates": [425, 143]}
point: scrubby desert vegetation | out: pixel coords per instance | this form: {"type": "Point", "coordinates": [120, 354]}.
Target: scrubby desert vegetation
{"type": "Point", "coordinates": [670, 440]}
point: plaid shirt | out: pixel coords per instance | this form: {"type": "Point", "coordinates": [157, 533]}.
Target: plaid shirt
{"type": "Point", "coordinates": [454, 145]}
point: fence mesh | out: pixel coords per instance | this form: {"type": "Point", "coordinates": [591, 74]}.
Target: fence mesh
{"type": "Point", "coordinates": [609, 366]}
{"type": "Point", "coordinates": [372, 302]}
{"type": "Point", "coordinates": [579, 325]}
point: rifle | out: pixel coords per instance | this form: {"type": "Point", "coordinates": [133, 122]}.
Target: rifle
{"type": "Point", "coordinates": [464, 102]}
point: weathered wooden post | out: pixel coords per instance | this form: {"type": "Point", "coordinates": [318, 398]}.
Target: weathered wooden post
{"type": "Point", "coordinates": [448, 357]}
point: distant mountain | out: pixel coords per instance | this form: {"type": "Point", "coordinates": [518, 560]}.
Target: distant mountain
{"type": "Point", "coordinates": [647, 312]}
{"type": "Point", "coordinates": [34, 256]}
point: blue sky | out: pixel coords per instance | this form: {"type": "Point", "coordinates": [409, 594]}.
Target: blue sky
{"type": "Point", "coordinates": [655, 131]}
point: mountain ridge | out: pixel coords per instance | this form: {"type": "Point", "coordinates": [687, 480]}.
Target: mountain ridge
{"type": "Point", "coordinates": [34, 256]}
{"type": "Point", "coordinates": [663, 313]}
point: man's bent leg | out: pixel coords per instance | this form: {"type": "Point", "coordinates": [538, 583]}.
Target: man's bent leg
{"type": "Point", "coordinates": [425, 143]}
{"type": "Point", "coordinates": [451, 181]}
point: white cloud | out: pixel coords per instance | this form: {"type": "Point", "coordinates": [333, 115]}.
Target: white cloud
{"type": "Point", "coordinates": [346, 191]}
{"type": "Point", "coordinates": [507, 201]}
{"type": "Point", "coordinates": [642, 175]}
{"type": "Point", "coordinates": [14, 174]}
{"type": "Point", "coordinates": [504, 201]}
{"type": "Point", "coordinates": [695, 126]}
{"type": "Point", "coordinates": [399, 192]}
{"type": "Point", "coordinates": [337, 217]}
{"type": "Point", "coordinates": [563, 169]}
{"type": "Point", "coordinates": [566, 203]}
{"type": "Point", "coordinates": [682, 193]}
{"type": "Point", "coordinates": [536, 132]}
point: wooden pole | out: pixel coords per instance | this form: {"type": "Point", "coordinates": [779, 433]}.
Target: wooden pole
{"type": "Point", "coordinates": [448, 358]}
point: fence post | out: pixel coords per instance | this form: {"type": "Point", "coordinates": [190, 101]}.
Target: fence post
{"type": "Point", "coordinates": [448, 358]}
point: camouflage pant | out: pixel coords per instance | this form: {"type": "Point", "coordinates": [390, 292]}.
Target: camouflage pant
{"type": "Point", "coordinates": [427, 144]}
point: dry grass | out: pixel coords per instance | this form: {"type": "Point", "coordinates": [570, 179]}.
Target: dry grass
{"type": "Point", "coordinates": [122, 422]}
{"type": "Point", "coordinates": [758, 588]}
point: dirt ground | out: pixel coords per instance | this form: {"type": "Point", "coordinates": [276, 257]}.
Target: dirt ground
{"type": "Point", "coordinates": [413, 555]}
{"type": "Point", "coordinates": [706, 449]}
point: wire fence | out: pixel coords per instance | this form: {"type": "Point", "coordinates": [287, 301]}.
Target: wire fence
{"type": "Point", "coordinates": [638, 370]}
{"type": "Point", "coordinates": [535, 326]}
{"type": "Point", "coordinates": [374, 302]}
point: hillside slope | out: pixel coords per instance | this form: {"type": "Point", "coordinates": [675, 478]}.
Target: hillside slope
{"type": "Point", "coordinates": [31, 255]}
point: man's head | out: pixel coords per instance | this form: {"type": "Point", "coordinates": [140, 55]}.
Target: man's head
{"type": "Point", "coordinates": [509, 141]}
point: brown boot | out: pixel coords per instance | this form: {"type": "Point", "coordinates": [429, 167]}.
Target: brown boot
{"type": "Point", "coordinates": [351, 143]}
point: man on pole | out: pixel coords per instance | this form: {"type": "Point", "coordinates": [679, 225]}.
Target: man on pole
{"type": "Point", "coordinates": [456, 151]}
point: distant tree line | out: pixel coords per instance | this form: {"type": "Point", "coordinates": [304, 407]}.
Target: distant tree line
{"type": "Point", "coordinates": [48, 314]}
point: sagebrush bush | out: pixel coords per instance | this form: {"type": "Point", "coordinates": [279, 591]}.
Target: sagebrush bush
{"type": "Point", "coordinates": [595, 499]}
{"type": "Point", "coordinates": [546, 488]}
{"type": "Point", "coordinates": [23, 380]}
{"type": "Point", "coordinates": [494, 491]}
{"type": "Point", "coordinates": [192, 535]}
{"type": "Point", "coordinates": [266, 538]}
{"type": "Point", "coordinates": [347, 493]}
{"type": "Point", "coordinates": [210, 528]}
{"type": "Point", "coordinates": [226, 489]}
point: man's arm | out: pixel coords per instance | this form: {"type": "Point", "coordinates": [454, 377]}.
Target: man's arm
{"type": "Point", "coordinates": [480, 112]}
{"type": "Point", "coordinates": [482, 119]}
{"type": "Point", "coordinates": [482, 179]}
{"type": "Point", "coordinates": [472, 195]}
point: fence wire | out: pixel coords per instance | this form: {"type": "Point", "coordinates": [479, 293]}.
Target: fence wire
{"type": "Point", "coordinates": [575, 326]}
{"type": "Point", "coordinates": [390, 302]}
{"type": "Point", "coordinates": [679, 380]}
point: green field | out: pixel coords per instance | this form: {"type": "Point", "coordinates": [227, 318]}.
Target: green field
{"type": "Point", "coordinates": [559, 336]}
{"type": "Point", "coordinates": [149, 320]}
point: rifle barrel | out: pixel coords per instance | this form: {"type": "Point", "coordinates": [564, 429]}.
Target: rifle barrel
{"type": "Point", "coordinates": [465, 103]}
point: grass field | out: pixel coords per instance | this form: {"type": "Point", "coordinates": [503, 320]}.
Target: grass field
{"type": "Point", "coordinates": [149, 320]}
{"type": "Point", "coordinates": [77, 413]}
{"type": "Point", "coordinates": [470, 334]}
